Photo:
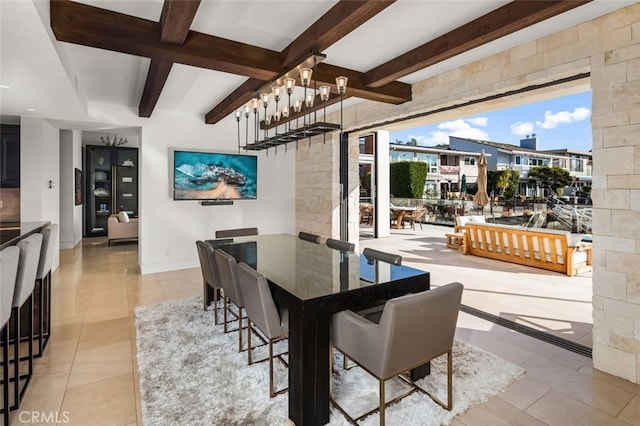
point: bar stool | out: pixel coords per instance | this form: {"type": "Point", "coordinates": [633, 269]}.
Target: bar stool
{"type": "Point", "coordinates": [23, 295]}
{"type": "Point", "coordinates": [43, 285]}
{"type": "Point", "coordinates": [9, 258]}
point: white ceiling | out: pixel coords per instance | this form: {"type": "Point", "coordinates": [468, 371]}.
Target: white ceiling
{"type": "Point", "coordinates": [59, 79]}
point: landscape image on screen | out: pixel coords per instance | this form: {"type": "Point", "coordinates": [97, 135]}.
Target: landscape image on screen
{"type": "Point", "coordinates": [214, 176]}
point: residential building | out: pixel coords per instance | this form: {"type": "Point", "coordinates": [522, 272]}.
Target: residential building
{"type": "Point", "coordinates": [527, 156]}
{"type": "Point", "coordinates": [446, 168]}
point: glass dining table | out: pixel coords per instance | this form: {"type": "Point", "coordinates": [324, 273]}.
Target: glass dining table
{"type": "Point", "coordinates": [313, 282]}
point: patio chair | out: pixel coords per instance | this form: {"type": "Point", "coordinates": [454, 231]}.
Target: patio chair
{"type": "Point", "coordinates": [415, 216]}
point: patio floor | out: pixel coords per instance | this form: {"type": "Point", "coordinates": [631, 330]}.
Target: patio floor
{"type": "Point", "coordinates": [543, 300]}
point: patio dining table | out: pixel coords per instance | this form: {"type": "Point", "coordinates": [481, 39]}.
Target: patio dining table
{"type": "Point", "coordinates": [313, 282]}
{"type": "Point", "coordinates": [399, 212]}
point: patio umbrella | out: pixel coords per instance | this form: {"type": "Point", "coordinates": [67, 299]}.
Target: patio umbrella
{"type": "Point", "coordinates": [463, 185]}
{"type": "Point", "coordinates": [481, 198]}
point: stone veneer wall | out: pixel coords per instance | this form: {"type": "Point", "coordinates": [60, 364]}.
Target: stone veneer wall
{"type": "Point", "coordinates": [609, 48]}
{"type": "Point", "coordinates": [317, 187]}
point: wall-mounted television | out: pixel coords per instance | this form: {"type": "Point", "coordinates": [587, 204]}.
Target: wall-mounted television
{"type": "Point", "coordinates": [201, 175]}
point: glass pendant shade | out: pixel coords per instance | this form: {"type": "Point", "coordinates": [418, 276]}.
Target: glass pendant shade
{"type": "Point", "coordinates": [265, 99]}
{"type": "Point", "coordinates": [254, 104]}
{"type": "Point", "coordinates": [309, 101]}
{"type": "Point", "coordinates": [289, 85]}
{"type": "Point", "coordinates": [277, 93]}
{"type": "Point", "coordinates": [324, 93]}
{"type": "Point", "coordinates": [341, 84]}
{"type": "Point", "coordinates": [305, 76]}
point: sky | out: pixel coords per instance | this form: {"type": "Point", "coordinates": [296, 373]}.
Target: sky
{"type": "Point", "coordinates": [558, 123]}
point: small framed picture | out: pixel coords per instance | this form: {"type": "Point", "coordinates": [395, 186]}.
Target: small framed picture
{"type": "Point", "coordinates": [78, 186]}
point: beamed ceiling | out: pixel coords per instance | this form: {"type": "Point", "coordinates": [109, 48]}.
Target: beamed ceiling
{"type": "Point", "coordinates": [211, 57]}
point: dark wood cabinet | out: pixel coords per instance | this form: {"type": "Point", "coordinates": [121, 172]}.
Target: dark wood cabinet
{"type": "Point", "coordinates": [111, 185]}
{"type": "Point", "coordinates": [9, 156]}
{"type": "Point", "coordinates": [9, 173]}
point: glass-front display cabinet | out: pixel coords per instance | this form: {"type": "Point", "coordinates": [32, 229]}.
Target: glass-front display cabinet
{"type": "Point", "coordinates": [111, 186]}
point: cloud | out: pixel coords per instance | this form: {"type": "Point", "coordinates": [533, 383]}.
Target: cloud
{"type": "Point", "coordinates": [521, 128]}
{"type": "Point", "coordinates": [458, 124]}
{"type": "Point", "coordinates": [553, 120]}
{"type": "Point", "coordinates": [471, 133]}
{"type": "Point", "coordinates": [460, 128]}
{"type": "Point", "coordinates": [478, 121]}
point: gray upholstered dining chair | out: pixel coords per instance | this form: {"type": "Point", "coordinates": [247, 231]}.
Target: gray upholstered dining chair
{"type": "Point", "coordinates": [43, 288]}
{"type": "Point", "coordinates": [9, 258]}
{"type": "Point", "coordinates": [340, 245]}
{"type": "Point", "coordinates": [23, 297]}
{"type": "Point", "coordinates": [413, 329]}
{"type": "Point", "coordinates": [238, 232]}
{"type": "Point", "coordinates": [263, 313]}
{"type": "Point", "coordinates": [394, 259]}
{"type": "Point", "coordinates": [210, 278]}
{"type": "Point", "coordinates": [309, 237]}
{"type": "Point", "coordinates": [228, 273]}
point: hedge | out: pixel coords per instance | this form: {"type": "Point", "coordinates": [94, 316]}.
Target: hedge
{"type": "Point", "coordinates": [407, 179]}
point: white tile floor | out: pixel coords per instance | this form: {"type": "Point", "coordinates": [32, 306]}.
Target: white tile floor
{"type": "Point", "coordinates": [89, 369]}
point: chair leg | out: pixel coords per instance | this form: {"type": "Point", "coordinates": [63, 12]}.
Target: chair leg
{"type": "Point", "coordinates": [271, 385]}
{"type": "Point", "coordinates": [382, 399]}
{"type": "Point", "coordinates": [49, 289]}
{"type": "Point", "coordinates": [449, 380]}
{"type": "Point", "coordinates": [40, 291]}
{"type": "Point", "coordinates": [15, 313]}
{"type": "Point", "coordinates": [5, 373]}
{"type": "Point", "coordinates": [240, 330]}
{"type": "Point", "coordinates": [216, 298]}
{"type": "Point", "coordinates": [205, 294]}
{"type": "Point", "coordinates": [225, 316]}
{"type": "Point", "coordinates": [249, 361]}
{"type": "Point", "coordinates": [30, 340]}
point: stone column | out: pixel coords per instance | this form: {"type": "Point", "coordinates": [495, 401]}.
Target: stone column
{"type": "Point", "coordinates": [615, 81]}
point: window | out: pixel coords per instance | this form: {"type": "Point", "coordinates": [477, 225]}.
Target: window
{"type": "Point", "coordinates": [469, 161]}
{"type": "Point", "coordinates": [430, 159]}
{"type": "Point", "coordinates": [518, 159]}
{"type": "Point", "coordinates": [401, 156]}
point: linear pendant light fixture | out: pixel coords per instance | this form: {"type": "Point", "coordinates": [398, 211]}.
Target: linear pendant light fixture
{"type": "Point", "coordinates": [273, 95]}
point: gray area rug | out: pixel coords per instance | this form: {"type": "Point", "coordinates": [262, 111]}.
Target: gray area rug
{"type": "Point", "coordinates": [192, 374]}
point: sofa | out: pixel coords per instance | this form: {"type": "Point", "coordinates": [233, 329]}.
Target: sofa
{"type": "Point", "coordinates": [121, 227]}
{"type": "Point", "coordinates": [541, 248]}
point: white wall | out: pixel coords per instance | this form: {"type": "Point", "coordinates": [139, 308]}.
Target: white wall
{"type": "Point", "coordinates": [169, 229]}
{"type": "Point", "coordinates": [70, 214]}
{"type": "Point", "coordinates": [39, 164]}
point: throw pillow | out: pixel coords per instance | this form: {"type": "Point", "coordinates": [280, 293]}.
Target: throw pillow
{"type": "Point", "coordinates": [123, 217]}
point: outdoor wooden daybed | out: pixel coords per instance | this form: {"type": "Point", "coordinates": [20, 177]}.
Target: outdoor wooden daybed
{"type": "Point", "coordinates": [540, 248]}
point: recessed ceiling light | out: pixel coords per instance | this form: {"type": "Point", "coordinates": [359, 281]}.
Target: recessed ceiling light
{"type": "Point", "coordinates": [4, 86]}
{"type": "Point", "coordinates": [31, 109]}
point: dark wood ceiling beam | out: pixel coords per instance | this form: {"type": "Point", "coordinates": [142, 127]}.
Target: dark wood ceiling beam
{"type": "Point", "coordinates": [175, 21]}
{"type": "Point", "coordinates": [393, 93]}
{"type": "Point", "coordinates": [501, 22]}
{"type": "Point", "coordinates": [239, 97]}
{"type": "Point", "coordinates": [91, 26]}
{"type": "Point", "coordinates": [344, 17]}
{"type": "Point", "coordinates": [156, 78]}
